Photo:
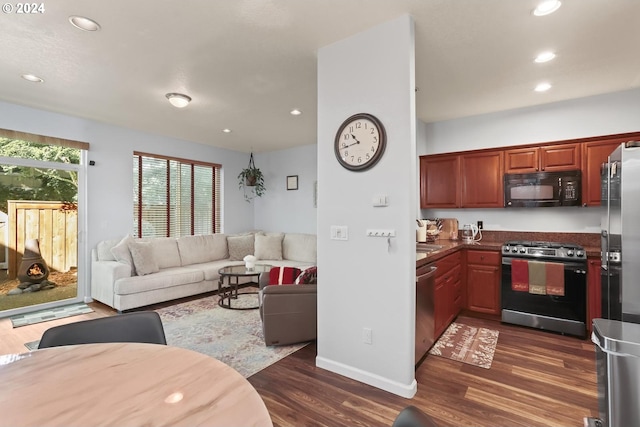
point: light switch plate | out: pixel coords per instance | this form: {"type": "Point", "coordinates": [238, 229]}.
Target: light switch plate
{"type": "Point", "coordinates": [339, 232]}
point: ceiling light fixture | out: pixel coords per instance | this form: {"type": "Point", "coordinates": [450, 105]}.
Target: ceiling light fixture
{"type": "Point", "coordinates": [32, 78]}
{"type": "Point", "coordinates": [543, 87]}
{"type": "Point", "coordinates": [545, 57]}
{"type": "Point", "coordinates": [83, 23]}
{"type": "Point", "coordinates": [178, 100]}
{"type": "Point", "coordinates": [226, 130]}
{"type": "Point", "coordinates": [547, 7]}
{"type": "Point", "coordinates": [295, 112]}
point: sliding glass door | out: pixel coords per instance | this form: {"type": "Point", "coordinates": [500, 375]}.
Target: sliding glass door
{"type": "Point", "coordinates": [41, 189]}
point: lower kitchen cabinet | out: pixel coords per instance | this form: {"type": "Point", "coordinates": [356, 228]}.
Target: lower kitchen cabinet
{"type": "Point", "coordinates": [594, 291]}
{"type": "Point", "coordinates": [448, 292]}
{"type": "Point", "coordinates": [483, 281]}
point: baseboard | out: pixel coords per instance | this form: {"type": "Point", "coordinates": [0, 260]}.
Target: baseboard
{"type": "Point", "coordinates": [403, 390]}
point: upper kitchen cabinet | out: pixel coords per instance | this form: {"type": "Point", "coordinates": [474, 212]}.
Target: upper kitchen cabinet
{"type": "Point", "coordinates": [595, 153]}
{"type": "Point", "coordinates": [439, 181]}
{"type": "Point", "coordinates": [482, 183]}
{"type": "Point", "coordinates": [547, 158]}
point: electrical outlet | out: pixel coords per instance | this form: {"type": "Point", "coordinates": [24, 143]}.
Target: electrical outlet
{"type": "Point", "coordinates": [367, 337]}
{"type": "Point", "coordinates": [480, 225]}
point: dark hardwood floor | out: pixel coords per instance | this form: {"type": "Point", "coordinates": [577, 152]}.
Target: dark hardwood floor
{"type": "Point", "coordinates": [537, 379]}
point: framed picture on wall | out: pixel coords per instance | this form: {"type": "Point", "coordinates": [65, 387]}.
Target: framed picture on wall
{"type": "Point", "coordinates": [292, 182]}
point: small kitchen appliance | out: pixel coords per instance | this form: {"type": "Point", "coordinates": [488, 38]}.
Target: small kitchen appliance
{"type": "Point", "coordinates": [471, 233]}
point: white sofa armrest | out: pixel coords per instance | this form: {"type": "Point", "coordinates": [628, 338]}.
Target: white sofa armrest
{"type": "Point", "coordinates": [103, 278]}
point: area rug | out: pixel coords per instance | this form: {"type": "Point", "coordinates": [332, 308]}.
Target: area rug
{"type": "Point", "coordinates": [468, 344]}
{"type": "Point", "coordinates": [232, 336]}
{"type": "Point", "coordinates": [50, 314]}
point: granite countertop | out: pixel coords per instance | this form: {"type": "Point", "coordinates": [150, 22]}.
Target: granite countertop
{"type": "Point", "coordinates": [493, 241]}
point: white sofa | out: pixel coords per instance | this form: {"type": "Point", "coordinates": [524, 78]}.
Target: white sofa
{"type": "Point", "coordinates": [129, 273]}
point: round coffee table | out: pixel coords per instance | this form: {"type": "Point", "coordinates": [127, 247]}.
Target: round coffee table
{"type": "Point", "coordinates": [229, 281]}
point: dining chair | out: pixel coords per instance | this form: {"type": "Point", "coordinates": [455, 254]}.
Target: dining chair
{"type": "Point", "coordinates": [413, 417]}
{"type": "Point", "coordinates": [140, 326]}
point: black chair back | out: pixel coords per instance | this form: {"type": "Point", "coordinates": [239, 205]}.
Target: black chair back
{"type": "Point", "coordinates": [413, 417]}
{"type": "Point", "coordinates": [140, 326]}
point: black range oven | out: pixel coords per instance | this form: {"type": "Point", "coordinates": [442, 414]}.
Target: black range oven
{"type": "Point", "coordinates": [562, 311]}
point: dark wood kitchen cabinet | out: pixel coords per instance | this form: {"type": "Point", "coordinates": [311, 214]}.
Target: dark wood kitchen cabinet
{"type": "Point", "coordinates": [595, 154]}
{"type": "Point", "coordinates": [448, 292]}
{"type": "Point", "coordinates": [483, 281]}
{"type": "Point", "coordinates": [439, 181]}
{"type": "Point", "coordinates": [546, 158]}
{"type": "Point", "coordinates": [594, 291]}
{"type": "Point", "coordinates": [482, 183]}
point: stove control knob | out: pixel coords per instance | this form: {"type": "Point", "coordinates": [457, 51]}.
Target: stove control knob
{"type": "Point", "coordinates": [570, 252]}
{"type": "Point", "coordinates": [514, 250]}
{"type": "Point", "coordinates": [523, 250]}
{"type": "Point", "coordinates": [505, 249]}
{"type": "Point", "coordinates": [580, 253]}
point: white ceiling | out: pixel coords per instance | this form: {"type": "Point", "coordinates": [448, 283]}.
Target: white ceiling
{"type": "Point", "coordinates": [247, 63]}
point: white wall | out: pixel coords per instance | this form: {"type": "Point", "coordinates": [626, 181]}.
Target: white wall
{"type": "Point", "coordinates": [109, 182]}
{"type": "Point", "coordinates": [607, 114]}
{"type": "Point", "coordinates": [288, 210]}
{"type": "Point", "coordinates": [365, 284]}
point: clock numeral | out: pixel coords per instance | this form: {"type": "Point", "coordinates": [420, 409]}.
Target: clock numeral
{"type": "Point", "coordinates": [367, 156]}
{"type": "Point", "coordinates": [358, 125]}
{"type": "Point", "coordinates": [375, 139]}
{"type": "Point", "coordinates": [350, 128]}
{"type": "Point", "coordinates": [373, 150]}
{"type": "Point", "coordinates": [346, 153]}
{"type": "Point", "coordinates": [372, 131]}
{"type": "Point", "coordinates": [352, 159]}
{"type": "Point", "coordinates": [359, 159]}
{"type": "Point", "coordinates": [346, 136]}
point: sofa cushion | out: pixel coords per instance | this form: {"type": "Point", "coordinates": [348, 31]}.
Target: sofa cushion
{"type": "Point", "coordinates": [210, 269]}
{"type": "Point", "coordinates": [308, 276]}
{"type": "Point", "coordinates": [205, 248]}
{"type": "Point", "coordinates": [240, 246]}
{"type": "Point", "coordinates": [122, 253]}
{"type": "Point", "coordinates": [103, 249]}
{"type": "Point", "coordinates": [165, 251]}
{"type": "Point", "coordinates": [283, 275]}
{"type": "Point", "coordinates": [300, 247]}
{"type": "Point", "coordinates": [168, 277]}
{"type": "Point", "coordinates": [143, 258]}
{"type": "Point", "coordinates": [269, 246]}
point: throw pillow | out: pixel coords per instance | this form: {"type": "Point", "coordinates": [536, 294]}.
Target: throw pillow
{"type": "Point", "coordinates": [269, 246]}
{"type": "Point", "coordinates": [240, 246]}
{"type": "Point", "coordinates": [122, 254]}
{"type": "Point", "coordinates": [143, 260]}
{"type": "Point", "coordinates": [103, 250]}
{"type": "Point", "coordinates": [283, 275]}
{"type": "Point", "coordinates": [308, 276]}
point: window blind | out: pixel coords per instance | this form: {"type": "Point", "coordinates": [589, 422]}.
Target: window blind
{"type": "Point", "coordinates": [175, 197]}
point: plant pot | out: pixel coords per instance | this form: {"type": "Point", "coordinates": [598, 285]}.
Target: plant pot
{"type": "Point", "coordinates": [250, 181]}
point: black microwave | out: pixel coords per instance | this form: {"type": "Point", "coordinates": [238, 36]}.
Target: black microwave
{"type": "Point", "coordinates": [543, 189]}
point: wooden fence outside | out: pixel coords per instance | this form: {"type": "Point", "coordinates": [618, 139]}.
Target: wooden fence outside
{"type": "Point", "coordinates": [54, 224]}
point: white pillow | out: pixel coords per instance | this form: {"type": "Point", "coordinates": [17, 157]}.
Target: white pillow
{"type": "Point", "coordinates": [269, 246]}
{"type": "Point", "coordinates": [104, 250]}
{"type": "Point", "coordinates": [122, 254]}
{"type": "Point", "coordinates": [143, 260]}
{"type": "Point", "coordinates": [240, 246]}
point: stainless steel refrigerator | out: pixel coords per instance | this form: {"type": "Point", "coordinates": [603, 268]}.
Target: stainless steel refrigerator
{"type": "Point", "coordinates": [621, 234]}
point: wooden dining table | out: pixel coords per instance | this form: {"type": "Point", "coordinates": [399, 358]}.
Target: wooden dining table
{"type": "Point", "coordinates": [125, 384]}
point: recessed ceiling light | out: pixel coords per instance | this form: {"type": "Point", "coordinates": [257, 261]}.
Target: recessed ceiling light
{"type": "Point", "coordinates": [295, 112]}
{"type": "Point", "coordinates": [84, 23]}
{"type": "Point", "coordinates": [178, 100]}
{"type": "Point", "coordinates": [542, 87]}
{"type": "Point", "coordinates": [32, 78]}
{"type": "Point", "coordinates": [226, 130]}
{"type": "Point", "coordinates": [547, 7]}
{"type": "Point", "coordinates": [545, 57]}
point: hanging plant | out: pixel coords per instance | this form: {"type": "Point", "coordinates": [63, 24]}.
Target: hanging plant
{"type": "Point", "coordinates": [251, 180]}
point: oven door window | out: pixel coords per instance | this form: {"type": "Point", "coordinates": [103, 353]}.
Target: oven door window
{"type": "Point", "coordinates": [531, 192]}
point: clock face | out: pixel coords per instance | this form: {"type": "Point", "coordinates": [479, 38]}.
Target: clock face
{"type": "Point", "coordinates": [360, 142]}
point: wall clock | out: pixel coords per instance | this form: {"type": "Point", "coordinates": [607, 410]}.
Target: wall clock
{"type": "Point", "coordinates": [360, 142]}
